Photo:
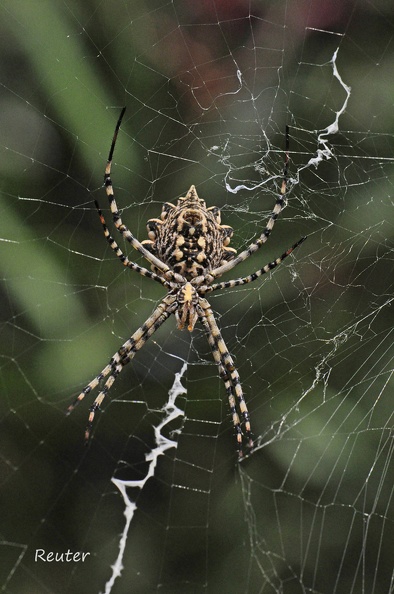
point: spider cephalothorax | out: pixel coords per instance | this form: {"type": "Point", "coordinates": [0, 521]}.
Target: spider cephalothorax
{"type": "Point", "coordinates": [187, 250]}
{"type": "Point", "coordinates": [187, 312]}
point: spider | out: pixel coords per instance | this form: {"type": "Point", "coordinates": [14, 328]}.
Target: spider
{"type": "Point", "coordinates": [188, 249]}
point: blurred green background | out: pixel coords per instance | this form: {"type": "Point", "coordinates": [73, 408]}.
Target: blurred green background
{"type": "Point", "coordinates": [209, 88]}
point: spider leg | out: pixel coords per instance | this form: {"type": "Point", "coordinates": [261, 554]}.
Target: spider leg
{"type": "Point", "coordinates": [223, 374]}
{"type": "Point", "coordinates": [126, 352]}
{"type": "Point", "coordinates": [124, 259]}
{"type": "Point", "coordinates": [228, 373]}
{"type": "Point", "coordinates": [261, 240]}
{"type": "Point", "coordinates": [251, 277]}
{"type": "Point", "coordinates": [121, 227]}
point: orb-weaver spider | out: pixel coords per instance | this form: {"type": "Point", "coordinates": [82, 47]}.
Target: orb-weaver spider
{"type": "Point", "coordinates": [188, 250]}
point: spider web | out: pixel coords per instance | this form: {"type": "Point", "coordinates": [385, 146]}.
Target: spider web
{"type": "Point", "coordinates": [158, 501]}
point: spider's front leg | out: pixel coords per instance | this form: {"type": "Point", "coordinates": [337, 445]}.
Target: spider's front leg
{"type": "Point", "coordinates": [228, 373]}
{"type": "Point", "coordinates": [126, 352]}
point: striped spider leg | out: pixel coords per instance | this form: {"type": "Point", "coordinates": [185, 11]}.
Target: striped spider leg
{"type": "Point", "coordinates": [228, 373]}
{"type": "Point", "coordinates": [188, 248]}
{"type": "Point", "coordinates": [125, 354]}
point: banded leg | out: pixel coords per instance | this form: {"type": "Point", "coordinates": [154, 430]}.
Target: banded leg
{"type": "Point", "coordinates": [126, 352]}
{"type": "Point", "coordinates": [124, 259]}
{"type": "Point", "coordinates": [121, 227]}
{"type": "Point", "coordinates": [251, 277]}
{"type": "Point", "coordinates": [253, 247]}
{"type": "Point", "coordinates": [228, 373]}
{"type": "Point", "coordinates": [228, 385]}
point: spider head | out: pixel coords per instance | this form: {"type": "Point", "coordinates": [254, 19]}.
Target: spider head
{"type": "Point", "coordinates": [186, 314]}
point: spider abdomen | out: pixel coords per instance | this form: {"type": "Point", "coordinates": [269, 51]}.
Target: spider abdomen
{"type": "Point", "coordinates": [189, 237]}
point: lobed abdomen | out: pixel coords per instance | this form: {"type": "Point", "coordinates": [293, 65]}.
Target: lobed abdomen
{"type": "Point", "coordinates": [189, 237]}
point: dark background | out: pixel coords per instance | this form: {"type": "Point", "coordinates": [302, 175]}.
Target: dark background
{"type": "Point", "coordinates": [209, 88]}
